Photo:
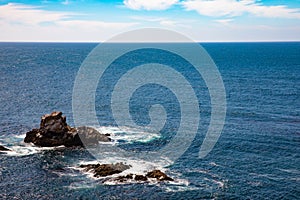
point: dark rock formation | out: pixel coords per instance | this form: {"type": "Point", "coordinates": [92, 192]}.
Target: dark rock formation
{"type": "Point", "coordinates": [156, 174]}
{"type": "Point", "coordinates": [54, 123]}
{"type": "Point", "coordinates": [2, 148]}
{"type": "Point", "coordinates": [160, 176]}
{"type": "Point", "coordinates": [124, 178]}
{"type": "Point", "coordinates": [105, 169]}
{"type": "Point", "coordinates": [140, 178]}
{"type": "Point", "coordinates": [54, 131]}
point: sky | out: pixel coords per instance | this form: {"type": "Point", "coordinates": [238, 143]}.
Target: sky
{"type": "Point", "coordinates": [99, 20]}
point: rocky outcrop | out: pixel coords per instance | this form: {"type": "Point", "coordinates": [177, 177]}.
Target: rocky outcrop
{"type": "Point", "coordinates": [155, 174]}
{"type": "Point", "coordinates": [102, 170]}
{"type": "Point", "coordinates": [54, 131]}
{"type": "Point", "coordinates": [2, 148]}
{"type": "Point", "coordinates": [160, 176]}
{"type": "Point", "coordinates": [91, 136]}
{"type": "Point", "coordinates": [122, 179]}
{"type": "Point", "coordinates": [140, 178]}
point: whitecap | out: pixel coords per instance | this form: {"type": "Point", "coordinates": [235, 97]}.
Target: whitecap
{"type": "Point", "coordinates": [292, 171]}
{"type": "Point", "coordinates": [27, 149]}
{"type": "Point", "coordinates": [129, 134]}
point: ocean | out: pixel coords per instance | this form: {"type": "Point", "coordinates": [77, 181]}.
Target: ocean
{"type": "Point", "coordinates": [256, 157]}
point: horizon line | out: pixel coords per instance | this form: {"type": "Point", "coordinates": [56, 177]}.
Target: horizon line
{"type": "Point", "coordinates": [208, 41]}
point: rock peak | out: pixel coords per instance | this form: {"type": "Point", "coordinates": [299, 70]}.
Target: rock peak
{"type": "Point", "coordinates": [54, 131]}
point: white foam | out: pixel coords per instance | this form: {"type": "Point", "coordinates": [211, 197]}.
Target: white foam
{"type": "Point", "coordinates": [129, 134]}
{"type": "Point", "coordinates": [179, 188]}
{"type": "Point", "coordinates": [11, 139]}
{"type": "Point", "coordinates": [20, 136]}
{"type": "Point", "coordinates": [26, 149]}
{"type": "Point", "coordinates": [19, 148]}
{"type": "Point", "coordinates": [216, 183]}
{"type": "Point", "coordinates": [82, 184]}
{"type": "Point", "coordinates": [214, 164]}
{"type": "Point", "coordinates": [293, 171]}
{"type": "Point", "coordinates": [220, 184]}
{"type": "Point", "coordinates": [202, 171]}
{"type": "Point", "coordinates": [137, 167]}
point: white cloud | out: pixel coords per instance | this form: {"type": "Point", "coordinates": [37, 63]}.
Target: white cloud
{"type": "Point", "coordinates": [19, 22]}
{"type": "Point", "coordinates": [149, 4]}
{"type": "Point", "coordinates": [169, 23]}
{"type": "Point", "coordinates": [30, 15]}
{"type": "Point", "coordinates": [162, 21]}
{"type": "Point", "coordinates": [217, 8]}
{"type": "Point", "coordinates": [147, 18]}
{"type": "Point", "coordinates": [224, 21]}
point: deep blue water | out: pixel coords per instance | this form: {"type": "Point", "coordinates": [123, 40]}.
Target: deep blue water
{"type": "Point", "coordinates": [256, 157]}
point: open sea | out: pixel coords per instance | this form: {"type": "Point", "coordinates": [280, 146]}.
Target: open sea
{"type": "Point", "coordinates": [256, 157]}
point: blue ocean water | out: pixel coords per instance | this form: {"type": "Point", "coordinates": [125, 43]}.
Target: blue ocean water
{"type": "Point", "coordinates": [256, 157]}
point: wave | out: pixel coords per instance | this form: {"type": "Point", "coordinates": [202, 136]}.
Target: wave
{"type": "Point", "coordinates": [27, 149]}
{"type": "Point", "coordinates": [129, 134]}
{"type": "Point", "coordinates": [19, 148]}
{"type": "Point", "coordinates": [138, 167]}
{"type": "Point", "coordinates": [117, 134]}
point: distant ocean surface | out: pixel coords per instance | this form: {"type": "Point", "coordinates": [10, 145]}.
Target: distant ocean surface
{"type": "Point", "coordinates": [256, 157]}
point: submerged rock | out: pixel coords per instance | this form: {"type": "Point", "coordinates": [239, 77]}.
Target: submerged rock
{"type": "Point", "coordinates": [122, 179]}
{"type": "Point", "coordinates": [155, 174]}
{"type": "Point", "coordinates": [54, 131]}
{"type": "Point", "coordinates": [2, 148]}
{"type": "Point", "coordinates": [102, 170]}
{"type": "Point", "coordinates": [159, 175]}
{"type": "Point", "coordinates": [140, 178]}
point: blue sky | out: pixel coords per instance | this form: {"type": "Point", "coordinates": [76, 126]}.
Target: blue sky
{"type": "Point", "coordinates": [99, 20]}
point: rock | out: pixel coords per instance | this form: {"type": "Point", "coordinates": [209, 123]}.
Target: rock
{"type": "Point", "coordinates": [102, 170]}
{"type": "Point", "coordinates": [156, 174]}
{"type": "Point", "coordinates": [54, 131]}
{"type": "Point", "coordinates": [140, 178]}
{"type": "Point", "coordinates": [160, 176]}
{"type": "Point", "coordinates": [124, 178]}
{"type": "Point", "coordinates": [54, 123]}
{"type": "Point", "coordinates": [91, 136]}
{"type": "Point", "coordinates": [2, 148]}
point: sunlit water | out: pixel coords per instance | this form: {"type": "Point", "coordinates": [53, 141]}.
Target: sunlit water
{"type": "Point", "coordinates": [257, 155]}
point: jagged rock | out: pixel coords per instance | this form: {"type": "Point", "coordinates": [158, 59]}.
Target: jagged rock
{"type": "Point", "coordinates": [2, 148]}
{"type": "Point", "coordinates": [160, 176]}
{"type": "Point", "coordinates": [140, 178]}
{"type": "Point", "coordinates": [102, 170]}
{"type": "Point", "coordinates": [54, 123]}
{"type": "Point", "coordinates": [156, 174]}
{"type": "Point", "coordinates": [124, 178]}
{"type": "Point", "coordinates": [54, 131]}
